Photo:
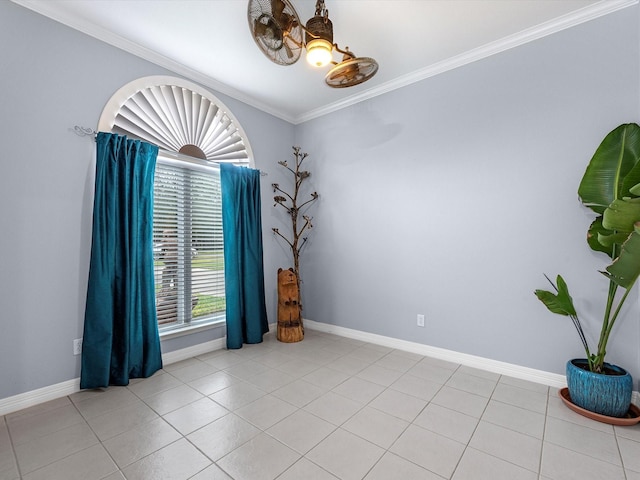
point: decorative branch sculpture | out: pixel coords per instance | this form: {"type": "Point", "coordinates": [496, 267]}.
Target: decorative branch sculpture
{"type": "Point", "coordinates": [290, 203]}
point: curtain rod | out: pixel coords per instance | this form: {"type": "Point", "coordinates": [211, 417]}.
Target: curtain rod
{"type": "Point", "coordinates": [88, 131]}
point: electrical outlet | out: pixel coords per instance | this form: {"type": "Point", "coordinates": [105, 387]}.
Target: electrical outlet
{"type": "Point", "coordinates": [77, 346]}
{"type": "Point", "coordinates": [420, 320]}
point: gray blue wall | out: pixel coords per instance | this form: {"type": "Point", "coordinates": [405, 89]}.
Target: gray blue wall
{"type": "Point", "coordinates": [53, 78]}
{"type": "Point", "coordinates": [450, 197]}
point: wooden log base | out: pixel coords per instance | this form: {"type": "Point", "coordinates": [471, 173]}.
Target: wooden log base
{"type": "Point", "coordinates": [290, 327]}
{"type": "Point", "coordinates": [290, 333]}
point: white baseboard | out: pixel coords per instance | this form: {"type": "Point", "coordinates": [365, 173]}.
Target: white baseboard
{"type": "Point", "coordinates": [41, 395]}
{"type": "Point", "coordinates": [45, 394]}
{"type": "Point", "coordinates": [51, 392]}
{"type": "Point", "coordinates": [190, 352]}
{"type": "Point", "coordinates": [524, 373]}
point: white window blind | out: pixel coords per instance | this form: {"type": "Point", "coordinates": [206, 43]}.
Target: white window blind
{"type": "Point", "coordinates": [188, 243]}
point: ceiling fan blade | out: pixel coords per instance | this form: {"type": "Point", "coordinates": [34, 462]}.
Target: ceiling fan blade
{"type": "Point", "coordinates": [277, 9]}
{"type": "Point", "coordinates": [288, 49]}
{"type": "Point", "coordinates": [351, 72]}
{"type": "Point", "coordinates": [273, 23]}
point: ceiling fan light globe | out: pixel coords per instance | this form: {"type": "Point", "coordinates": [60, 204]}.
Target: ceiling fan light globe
{"type": "Point", "coordinates": [319, 52]}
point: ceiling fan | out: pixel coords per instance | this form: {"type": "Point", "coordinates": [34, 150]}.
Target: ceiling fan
{"type": "Point", "coordinates": [278, 32]}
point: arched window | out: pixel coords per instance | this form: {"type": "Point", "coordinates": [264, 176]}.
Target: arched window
{"type": "Point", "coordinates": [195, 132]}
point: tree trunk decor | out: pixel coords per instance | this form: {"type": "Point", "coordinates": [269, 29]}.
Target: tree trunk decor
{"type": "Point", "coordinates": [289, 316]}
{"type": "Point", "coordinates": [300, 224]}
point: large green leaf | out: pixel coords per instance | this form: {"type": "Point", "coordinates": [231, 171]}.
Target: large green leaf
{"type": "Point", "coordinates": [560, 303]}
{"type": "Point", "coordinates": [625, 269]}
{"type": "Point", "coordinates": [622, 215]}
{"type": "Point", "coordinates": [600, 239]}
{"type": "Point", "coordinates": [613, 169]}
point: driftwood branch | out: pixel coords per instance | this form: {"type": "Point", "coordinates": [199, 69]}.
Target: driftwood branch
{"type": "Point", "coordinates": [289, 201]}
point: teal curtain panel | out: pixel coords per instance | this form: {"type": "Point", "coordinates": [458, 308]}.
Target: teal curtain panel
{"type": "Point", "coordinates": [243, 258]}
{"type": "Point", "coordinates": [120, 339]}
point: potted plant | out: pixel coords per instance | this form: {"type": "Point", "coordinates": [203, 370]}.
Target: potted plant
{"type": "Point", "coordinates": [611, 188]}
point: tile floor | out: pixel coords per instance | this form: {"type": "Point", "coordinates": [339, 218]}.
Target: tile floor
{"type": "Point", "coordinates": [325, 408]}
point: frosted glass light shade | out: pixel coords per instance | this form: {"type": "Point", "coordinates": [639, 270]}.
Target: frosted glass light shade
{"type": "Point", "coordinates": [319, 52]}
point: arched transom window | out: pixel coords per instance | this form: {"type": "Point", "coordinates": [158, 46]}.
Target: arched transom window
{"type": "Point", "coordinates": [195, 132]}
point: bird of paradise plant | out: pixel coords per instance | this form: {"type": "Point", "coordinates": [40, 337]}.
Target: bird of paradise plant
{"type": "Point", "coordinates": [611, 188]}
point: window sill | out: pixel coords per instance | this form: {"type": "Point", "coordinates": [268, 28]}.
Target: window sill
{"type": "Point", "coordinates": [191, 329]}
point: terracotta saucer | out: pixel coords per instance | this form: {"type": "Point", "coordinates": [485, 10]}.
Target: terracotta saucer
{"type": "Point", "coordinates": [632, 417]}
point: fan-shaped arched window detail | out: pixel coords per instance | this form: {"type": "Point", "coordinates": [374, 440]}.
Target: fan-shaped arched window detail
{"type": "Point", "coordinates": [178, 116]}
{"type": "Point", "coordinates": [195, 133]}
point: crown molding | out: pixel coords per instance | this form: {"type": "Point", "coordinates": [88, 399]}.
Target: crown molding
{"type": "Point", "coordinates": [47, 9]}
{"type": "Point", "coordinates": [564, 22]}
{"type": "Point", "coordinates": [586, 14]}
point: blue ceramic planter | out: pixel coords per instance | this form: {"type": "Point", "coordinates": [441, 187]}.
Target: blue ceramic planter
{"type": "Point", "coordinates": [608, 395]}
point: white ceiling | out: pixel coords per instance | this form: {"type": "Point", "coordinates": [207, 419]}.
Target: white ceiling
{"type": "Point", "coordinates": [209, 41]}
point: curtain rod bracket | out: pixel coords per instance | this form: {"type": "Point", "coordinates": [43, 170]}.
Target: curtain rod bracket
{"type": "Point", "coordinates": [84, 131]}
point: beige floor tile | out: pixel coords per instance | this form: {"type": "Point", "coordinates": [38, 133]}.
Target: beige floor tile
{"type": "Point", "coordinates": [304, 469]}
{"type": "Point", "coordinates": [429, 450]}
{"type": "Point", "coordinates": [345, 455]}
{"type": "Point", "coordinates": [398, 404]}
{"type": "Point", "coordinates": [326, 408]}
{"type": "Point", "coordinates": [515, 418]}
{"type": "Point", "coordinates": [326, 377]}
{"type": "Point", "coordinates": [270, 380]}
{"type": "Point", "coordinates": [333, 408]}
{"type": "Point", "coordinates": [269, 458]}
{"type": "Point", "coordinates": [509, 445]}
{"type": "Point", "coordinates": [416, 387]}
{"type": "Point", "coordinates": [213, 472]}
{"type": "Point", "coordinates": [594, 443]}
{"type": "Point", "coordinates": [359, 390]}
{"type": "Point", "coordinates": [273, 359]}
{"type": "Point", "coordinates": [397, 361]}
{"type": "Point", "coordinates": [223, 436]}
{"type": "Point", "coordinates": [376, 426]}
{"type": "Point", "coordinates": [93, 463]}
{"type": "Point", "coordinates": [43, 450]}
{"type": "Point", "coordinates": [172, 399]}
{"type": "Point", "coordinates": [521, 397]}
{"type": "Point", "coordinates": [105, 401]}
{"type": "Point", "coordinates": [119, 421]}
{"type": "Point", "coordinates": [8, 465]}
{"type": "Point", "coordinates": [224, 359]}
{"type": "Point", "coordinates": [181, 364]}
{"type": "Point", "coordinates": [449, 423]}
{"type": "Point", "coordinates": [472, 383]}
{"type": "Point", "coordinates": [476, 465]}
{"type": "Point", "coordinates": [237, 395]}
{"type": "Point", "coordinates": [379, 375]}
{"type": "Point", "coordinates": [212, 383]}
{"type": "Point", "coordinates": [26, 428]}
{"type": "Point", "coordinates": [525, 384]}
{"type": "Point", "coordinates": [196, 415]}
{"type": "Point", "coordinates": [132, 445]}
{"type": "Point", "coordinates": [246, 369]}
{"type": "Point", "coordinates": [392, 466]}
{"type": "Point", "coordinates": [193, 371]}
{"type": "Point", "coordinates": [463, 402]}
{"type": "Point", "coordinates": [160, 382]}
{"type": "Point", "coordinates": [266, 411]}
{"type": "Point", "coordinates": [177, 461]}
{"type": "Point", "coordinates": [299, 392]}
{"type": "Point", "coordinates": [298, 368]}
{"type": "Point", "coordinates": [301, 431]}
{"type": "Point", "coordinates": [630, 452]}
{"type": "Point", "coordinates": [40, 408]}
{"type": "Point", "coordinates": [560, 463]}
{"type": "Point", "coordinates": [348, 364]}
